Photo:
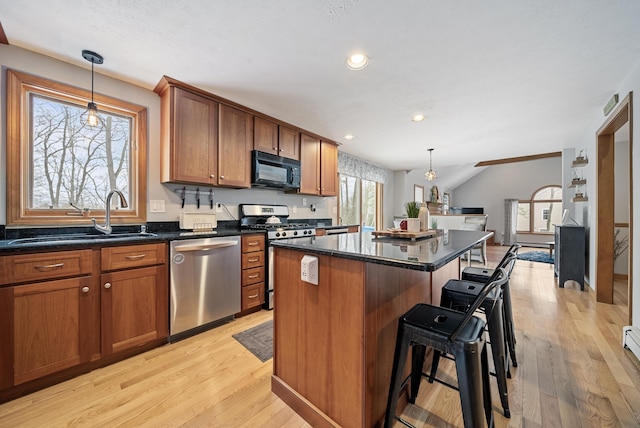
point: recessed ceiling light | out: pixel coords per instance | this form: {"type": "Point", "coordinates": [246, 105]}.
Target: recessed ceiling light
{"type": "Point", "coordinates": [357, 61]}
{"type": "Point", "coordinates": [418, 117]}
{"type": "Point", "coordinates": [349, 137]}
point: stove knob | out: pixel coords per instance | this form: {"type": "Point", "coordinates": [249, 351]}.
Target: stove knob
{"type": "Point", "coordinates": [284, 233]}
{"type": "Point", "coordinates": [277, 234]}
{"type": "Point", "coordinates": [305, 232]}
{"type": "Point", "coordinates": [295, 233]}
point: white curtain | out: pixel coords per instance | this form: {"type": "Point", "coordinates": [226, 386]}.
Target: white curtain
{"type": "Point", "coordinates": [510, 221]}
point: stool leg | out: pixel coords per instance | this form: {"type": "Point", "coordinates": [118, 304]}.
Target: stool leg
{"type": "Point", "coordinates": [509, 325]}
{"type": "Point", "coordinates": [486, 388]}
{"type": "Point", "coordinates": [470, 383]}
{"type": "Point", "coordinates": [399, 358]}
{"type": "Point", "coordinates": [417, 362]}
{"type": "Point", "coordinates": [496, 333]}
{"type": "Point", "coordinates": [434, 365]}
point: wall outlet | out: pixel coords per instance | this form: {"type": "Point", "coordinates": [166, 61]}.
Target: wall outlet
{"type": "Point", "coordinates": [309, 269]}
{"type": "Point", "coordinates": [218, 208]}
{"type": "Point", "coordinates": [294, 209]}
{"type": "Point", "coordinates": [156, 206]}
{"type": "Point", "coordinates": [304, 202]}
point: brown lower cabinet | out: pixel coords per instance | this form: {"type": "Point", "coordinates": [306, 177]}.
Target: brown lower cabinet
{"type": "Point", "coordinates": [253, 271]}
{"type": "Point", "coordinates": [63, 317]}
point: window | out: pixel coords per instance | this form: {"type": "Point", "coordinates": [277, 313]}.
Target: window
{"type": "Point", "coordinates": [57, 165]}
{"type": "Point", "coordinates": [539, 214]}
{"type": "Point", "coordinates": [360, 202]}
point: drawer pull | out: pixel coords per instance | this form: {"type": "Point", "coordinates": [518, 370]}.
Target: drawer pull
{"type": "Point", "coordinates": [85, 289]}
{"type": "Point", "coordinates": [54, 266]}
{"type": "Point", "coordinates": [139, 256]}
{"type": "Point", "coordinates": [107, 285]}
{"type": "Point", "coordinates": [254, 296]}
{"type": "Point", "coordinates": [255, 275]}
{"type": "Point", "coordinates": [254, 259]}
{"type": "Point", "coordinates": [253, 243]}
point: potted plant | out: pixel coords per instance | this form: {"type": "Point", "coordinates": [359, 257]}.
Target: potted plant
{"type": "Point", "coordinates": [86, 212]}
{"type": "Point", "coordinates": [413, 222]}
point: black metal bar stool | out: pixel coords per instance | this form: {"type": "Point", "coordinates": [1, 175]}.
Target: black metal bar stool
{"type": "Point", "coordinates": [460, 334]}
{"type": "Point", "coordinates": [460, 295]}
{"type": "Point", "coordinates": [482, 275]}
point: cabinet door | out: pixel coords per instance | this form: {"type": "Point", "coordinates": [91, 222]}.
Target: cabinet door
{"type": "Point", "coordinates": [193, 154]}
{"type": "Point", "coordinates": [265, 136]}
{"type": "Point", "coordinates": [309, 165]}
{"type": "Point", "coordinates": [289, 143]}
{"type": "Point", "coordinates": [328, 169]}
{"type": "Point", "coordinates": [134, 308]}
{"type": "Point", "coordinates": [48, 325]}
{"type": "Point", "coordinates": [235, 141]}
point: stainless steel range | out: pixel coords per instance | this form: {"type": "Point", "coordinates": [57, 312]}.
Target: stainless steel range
{"type": "Point", "coordinates": [275, 220]}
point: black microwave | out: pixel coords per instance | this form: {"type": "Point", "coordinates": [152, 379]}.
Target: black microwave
{"type": "Point", "coordinates": [275, 172]}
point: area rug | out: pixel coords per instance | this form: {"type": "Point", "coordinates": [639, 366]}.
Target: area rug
{"type": "Point", "coordinates": [536, 256]}
{"type": "Point", "coordinates": [258, 340]}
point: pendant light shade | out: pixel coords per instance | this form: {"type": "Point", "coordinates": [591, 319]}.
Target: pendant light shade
{"type": "Point", "coordinates": [431, 174]}
{"type": "Point", "coordinates": [92, 117]}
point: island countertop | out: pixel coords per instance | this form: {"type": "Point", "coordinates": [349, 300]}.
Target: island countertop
{"type": "Point", "coordinates": [427, 254]}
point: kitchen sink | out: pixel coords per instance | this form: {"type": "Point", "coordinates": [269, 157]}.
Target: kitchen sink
{"type": "Point", "coordinates": [79, 237]}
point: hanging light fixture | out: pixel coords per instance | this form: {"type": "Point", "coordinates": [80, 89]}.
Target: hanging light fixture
{"type": "Point", "coordinates": [431, 174]}
{"type": "Point", "coordinates": [92, 109]}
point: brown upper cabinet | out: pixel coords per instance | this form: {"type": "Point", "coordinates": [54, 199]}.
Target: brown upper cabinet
{"type": "Point", "coordinates": [319, 166]}
{"type": "Point", "coordinates": [203, 141]}
{"type": "Point", "coordinates": [208, 140]}
{"type": "Point", "coordinates": [276, 139]}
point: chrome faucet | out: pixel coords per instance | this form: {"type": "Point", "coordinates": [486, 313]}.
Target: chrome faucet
{"type": "Point", "coordinates": [106, 229]}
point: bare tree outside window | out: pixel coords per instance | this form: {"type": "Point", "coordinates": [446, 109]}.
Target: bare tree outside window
{"type": "Point", "coordinates": [73, 162]}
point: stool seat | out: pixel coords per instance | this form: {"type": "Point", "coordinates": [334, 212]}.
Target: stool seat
{"type": "Point", "coordinates": [436, 321]}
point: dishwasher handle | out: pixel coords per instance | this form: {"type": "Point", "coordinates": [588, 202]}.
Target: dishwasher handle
{"type": "Point", "coordinates": [202, 247]}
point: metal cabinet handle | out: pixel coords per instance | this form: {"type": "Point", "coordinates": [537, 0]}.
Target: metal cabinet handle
{"type": "Point", "coordinates": [107, 285]}
{"type": "Point", "coordinates": [222, 177]}
{"type": "Point", "coordinates": [254, 296]}
{"type": "Point", "coordinates": [53, 266]}
{"type": "Point", "coordinates": [255, 275]}
{"type": "Point", "coordinates": [253, 259]}
{"type": "Point", "coordinates": [253, 243]}
{"type": "Point", "coordinates": [212, 176]}
{"type": "Point", "coordinates": [85, 289]}
{"type": "Point", "coordinates": [136, 257]}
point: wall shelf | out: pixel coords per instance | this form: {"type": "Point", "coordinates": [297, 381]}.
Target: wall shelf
{"type": "Point", "coordinates": [580, 182]}
{"type": "Point", "coordinates": [577, 183]}
{"type": "Point", "coordinates": [579, 162]}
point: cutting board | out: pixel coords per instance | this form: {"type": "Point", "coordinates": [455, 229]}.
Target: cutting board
{"type": "Point", "coordinates": [403, 234]}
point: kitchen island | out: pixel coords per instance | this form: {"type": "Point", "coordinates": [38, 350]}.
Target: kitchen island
{"type": "Point", "coordinates": [334, 341]}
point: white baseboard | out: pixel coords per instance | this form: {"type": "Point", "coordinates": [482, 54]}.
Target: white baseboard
{"type": "Point", "coordinates": [631, 339]}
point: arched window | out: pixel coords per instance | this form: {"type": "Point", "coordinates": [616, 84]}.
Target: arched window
{"type": "Point", "coordinates": [541, 212]}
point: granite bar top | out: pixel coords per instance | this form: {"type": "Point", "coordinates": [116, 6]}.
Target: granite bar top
{"type": "Point", "coordinates": [425, 254]}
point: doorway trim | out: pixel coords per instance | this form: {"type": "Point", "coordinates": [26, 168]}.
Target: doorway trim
{"type": "Point", "coordinates": [605, 194]}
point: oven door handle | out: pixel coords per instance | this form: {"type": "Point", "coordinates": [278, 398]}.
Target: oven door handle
{"type": "Point", "coordinates": [201, 247]}
{"type": "Point", "coordinates": [336, 231]}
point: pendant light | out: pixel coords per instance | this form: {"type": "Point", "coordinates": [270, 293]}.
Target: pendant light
{"type": "Point", "coordinates": [92, 109]}
{"type": "Point", "coordinates": [431, 174]}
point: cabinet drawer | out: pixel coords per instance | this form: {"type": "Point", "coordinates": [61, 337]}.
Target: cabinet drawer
{"type": "Point", "coordinates": [251, 260]}
{"type": "Point", "coordinates": [35, 267]}
{"type": "Point", "coordinates": [252, 295]}
{"type": "Point", "coordinates": [133, 256]}
{"type": "Point", "coordinates": [251, 276]}
{"type": "Point", "coordinates": [251, 243]}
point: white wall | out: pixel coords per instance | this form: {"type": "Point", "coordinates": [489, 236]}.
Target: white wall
{"type": "Point", "coordinates": [33, 63]}
{"type": "Point", "coordinates": [630, 84]}
{"type": "Point", "coordinates": [517, 180]}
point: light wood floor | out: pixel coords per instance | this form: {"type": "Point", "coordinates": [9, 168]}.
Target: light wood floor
{"type": "Point", "coordinates": [572, 372]}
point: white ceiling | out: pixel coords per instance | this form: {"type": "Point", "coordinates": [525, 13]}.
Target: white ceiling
{"type": "Point", "coordinates": [495, 78]}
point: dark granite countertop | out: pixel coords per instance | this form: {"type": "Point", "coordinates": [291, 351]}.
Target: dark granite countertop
{"type": "Point", "coordinates": [425, 254]}
{"type": "Point", "coordinates": [337, 226]}
{"type": "Point", "coordinates": [91, 238]}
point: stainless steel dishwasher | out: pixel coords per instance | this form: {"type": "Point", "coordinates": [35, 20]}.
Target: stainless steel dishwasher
{"type": "Point", "coordinates": [205, 284]}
